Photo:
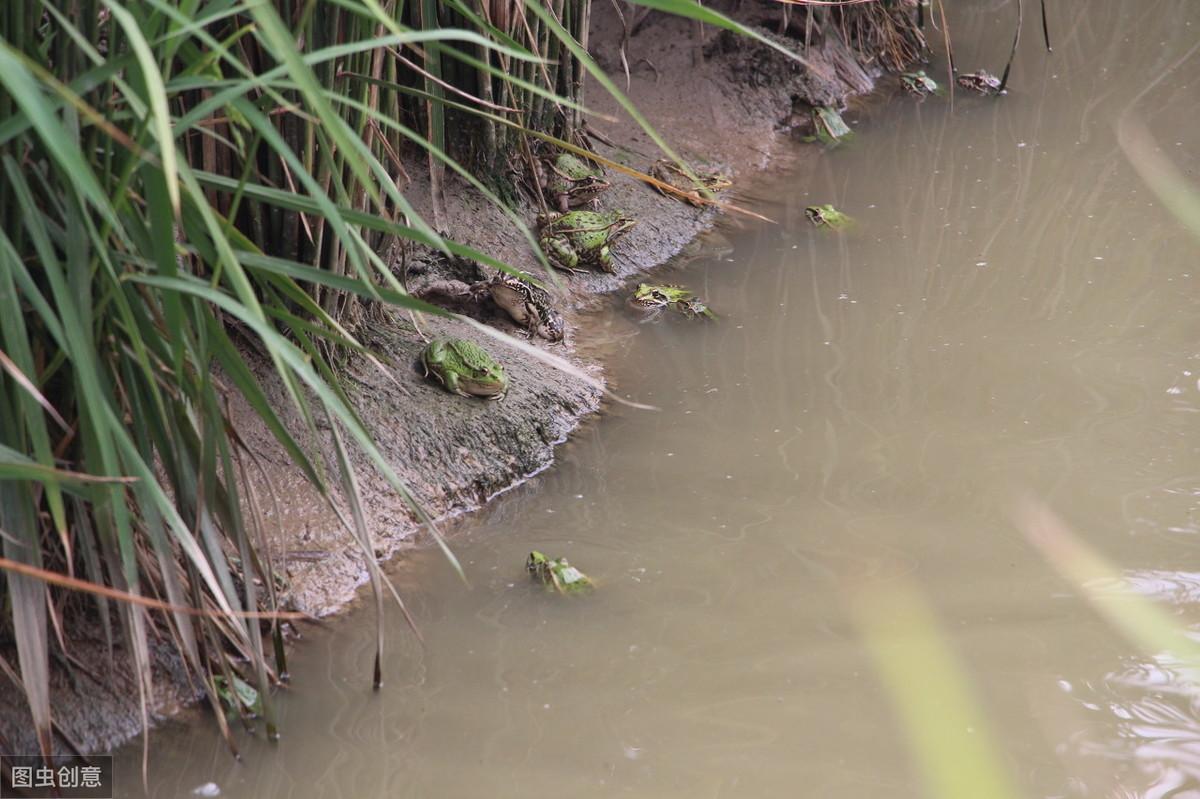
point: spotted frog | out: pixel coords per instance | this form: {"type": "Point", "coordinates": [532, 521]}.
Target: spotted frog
{"type": "Point", "coordinates": [528, 304]}
{"type": "Point", "coordinates": [654, 298]}
{"type": "Point", "coordinates": [692, 191]}
{"type": "Point", "coordinates": [918, 83]}
{"type": "Point", "coordinates": [582, 238]}
{"type": "Point", "coordinates": [571, 181]}
{"type": "Point", "coordinates": [981, 82]}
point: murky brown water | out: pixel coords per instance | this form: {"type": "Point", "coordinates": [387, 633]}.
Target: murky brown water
{"type": "Point", "coordinates": [1014, 314]}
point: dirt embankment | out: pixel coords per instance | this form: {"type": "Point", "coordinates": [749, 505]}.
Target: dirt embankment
{"type": "Point", "coordinates": [725, 103]}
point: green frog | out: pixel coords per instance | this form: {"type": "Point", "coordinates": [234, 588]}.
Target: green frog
{"type": "Point", "coordinates": [689, 190]}
{"type": "Point", "coordinates": [829, 124]}
{"type": "Point", "coordinates": [556, 573]}
{"type": "Point", "coordinates": [827, 216]}
{"type": "Point", "coordinates": [463, 367]}
{"type": "Point", "coordinates": [528, 304]}
{"type": "Point", "coordinates": [918, 83]}
{"type": "Point", "coordinates": [582, 238]}
{"type": "Point", "coordinates": [571, 181]}
{"type": "Point", "coordinates": [693, 307]}
{"type": "Point", "coordinates": [655, 298]}
{"type": "Point", "coordinates": [981, 82]}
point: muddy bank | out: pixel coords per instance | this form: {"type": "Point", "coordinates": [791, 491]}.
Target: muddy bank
{"type": "Point", "coordinates": [722, 102]}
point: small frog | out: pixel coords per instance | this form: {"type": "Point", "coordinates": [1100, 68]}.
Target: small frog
{"type": "Point", "coordinates": [691, 191]}
{"type": "Point", "coordinates": [827, 216]}
{"type": "Point", "coordinates": [241, 698]}
{"type": "Point", "coordinates": [463, 367]}
{"type": "Point", "coordinates": [829, 124]}
{"type": "Point", "coordinates": [571, 181]}
{"type": "Point", "coordinates": [582, 238]}
{"type": "Point", "coordinates": [656, 298]}
{"type": "Point", "coordinates": [693, 307]}
{"type": "Point", "coordinates": [982, 82]}
{"type": "Point", "coordinates": [528, 304]}
{"type": "Point", "coordinates": [557, 573]}
{"type": "Point", "coordinates": [918, 83]}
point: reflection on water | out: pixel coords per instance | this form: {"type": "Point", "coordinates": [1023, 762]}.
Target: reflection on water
{"type": "Point", "coordinates": [1014, 313]}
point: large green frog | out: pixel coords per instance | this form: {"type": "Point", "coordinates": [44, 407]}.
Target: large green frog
{"type": "Point", "coordinates": [582, 238]}
{"type": "Point", "coordinates": [464, 367]}
{"type": "Point", "coordinates": [571, 181]}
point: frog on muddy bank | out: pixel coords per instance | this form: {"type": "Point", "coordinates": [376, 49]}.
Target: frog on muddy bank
{"type": "Point", "coordinates": [570, 181]}
{"type": "Point", "coordinates": [694, 189]}
{"type": "Point", "coordinates": [528, 304]}
{"type": "Point", "coordinates": [582, 238]}
{"type": "Point", "coordinates": [463, 367]}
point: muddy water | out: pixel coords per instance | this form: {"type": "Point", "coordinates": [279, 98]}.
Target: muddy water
{"type": "Point", "coordinates": [1014, 315]}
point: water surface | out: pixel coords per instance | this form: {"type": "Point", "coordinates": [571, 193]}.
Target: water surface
{"type": "Point", "coordinates": [1015, 315]}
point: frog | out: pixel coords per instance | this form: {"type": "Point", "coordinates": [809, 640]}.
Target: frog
{"type": "Point", "coordinates": [582, 237]}
{"type": "Point", "coordinates": [528, 304]}
{"type": "Point", "coordinates": [655, 298]}
{"type": "Point", "coordinates": [240, 698]}
{"type": "Point", "coordinates": [463, 367]}
{"type": "Point", "coordinates": [693, 307]}
{"type": "Point", "coordinates": [557, 573]}
{"type": "Point", "coordinates": [571, 181]}
{"type": "Point", "coordinates": [693, 192]}
{"type": "Point", "coordinates": [829, 124]}
{"type": "Point", "coordinates": [827, 216]}
{"type": "Point", "coordinates": [981, 82]}
{"type": "Point", "coordinates": [918, 83]}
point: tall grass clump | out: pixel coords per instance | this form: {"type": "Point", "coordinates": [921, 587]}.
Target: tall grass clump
{"type": "Point", "coordinates": [186, 181]}
{"type": "Point", "coordinates": [179, 179]}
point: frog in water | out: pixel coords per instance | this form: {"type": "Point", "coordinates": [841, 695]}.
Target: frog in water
{"type": "Point", "coordinates": [463, 367]}
{"type": "Point", "coordinates": [981, 82]}
{"type": "Point", "coordinates": [654, 298]}
{"type": "Point", "coordinates": [918, 83]}
{"type": "Point", "coordinates": [556, 573]}
{"type": "Point", "coordinates": [827, 216]}
{"type": "Point", "coordinates": [582, 238]}
{"type": "Point", "coordinates": [690, 191]}
{"type": "Point", "coordinates": [571, 181]}
{"type": "Point", "coordinates": [830, 126]}
{"type": "Point", "coordinates": [528, 304]}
